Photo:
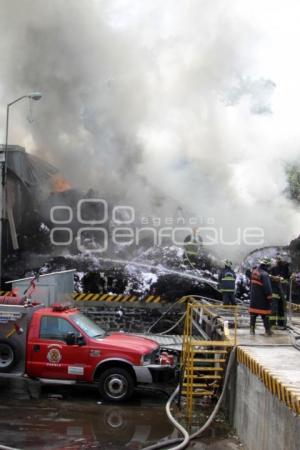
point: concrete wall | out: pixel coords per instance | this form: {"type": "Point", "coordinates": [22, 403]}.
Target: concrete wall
{"type": "Point", "coordinates": [260, 419]}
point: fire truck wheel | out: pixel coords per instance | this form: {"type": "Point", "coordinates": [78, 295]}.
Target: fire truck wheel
{"type": "Point", "coordinates": [116, 384]}
{"type": "Point", "coordinates": [9, 355]}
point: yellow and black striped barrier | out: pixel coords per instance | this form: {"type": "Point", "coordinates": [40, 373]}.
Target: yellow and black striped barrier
{"type": "Point", "coordinates": [287, 394]}
{"type": "Point", "coordinates": [118, 298]}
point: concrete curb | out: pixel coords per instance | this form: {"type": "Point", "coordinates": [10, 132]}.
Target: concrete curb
{"type": "Point", "coordinates": [286, 393]}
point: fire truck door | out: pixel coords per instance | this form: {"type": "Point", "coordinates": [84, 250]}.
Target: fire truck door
{"type": "Point", "coordinates": [51, 357]}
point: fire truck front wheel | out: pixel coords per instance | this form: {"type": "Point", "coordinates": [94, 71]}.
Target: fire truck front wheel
{"type": "Point", "coordinates": [116, 385]}
{"type": "Point", "coordinates": [9, 355]}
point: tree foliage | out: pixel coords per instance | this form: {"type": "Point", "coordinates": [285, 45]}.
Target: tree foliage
{"type": "Point", "coordinates": [293, 176]}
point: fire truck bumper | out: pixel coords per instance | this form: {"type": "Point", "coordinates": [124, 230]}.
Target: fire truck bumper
{"type": "Point", "coordinates": [154, 373]}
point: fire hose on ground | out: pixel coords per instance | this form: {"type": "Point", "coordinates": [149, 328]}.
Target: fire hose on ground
{"type": "Point", "coordinates": [183, 442]}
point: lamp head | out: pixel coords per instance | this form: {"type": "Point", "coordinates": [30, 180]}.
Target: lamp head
{"type": "Point", "coordinates": [35, 95]}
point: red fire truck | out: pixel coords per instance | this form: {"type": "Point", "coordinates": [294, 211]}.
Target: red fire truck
{"type": "Point", "coordinates": [61, 345]}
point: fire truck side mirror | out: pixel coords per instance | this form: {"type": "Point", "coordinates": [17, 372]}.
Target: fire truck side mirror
{"type": "Point", "coordinates": [80, 340]}
{"type": "Point", "coordinates": [70, 338]}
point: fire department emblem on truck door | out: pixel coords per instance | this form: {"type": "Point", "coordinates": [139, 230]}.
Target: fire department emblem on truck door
{"type": "Point", "coordinates": [54, 355]}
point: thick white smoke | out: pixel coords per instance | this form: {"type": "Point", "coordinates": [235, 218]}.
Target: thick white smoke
{"type": "Point", "coordinates": [195, 100]}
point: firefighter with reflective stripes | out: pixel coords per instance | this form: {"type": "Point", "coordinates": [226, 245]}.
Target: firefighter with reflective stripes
{"type": "Point", "coordinates": [261, 296]}
{"type": "Point", "coordinates": [227, 283]}
{"type": "Point", "coordinates": [279, 281]}
{"type": "Point", "coordinates": [192, 246]}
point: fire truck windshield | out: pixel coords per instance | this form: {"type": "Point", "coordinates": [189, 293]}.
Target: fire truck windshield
{"type": "Point", "coordinates": [88, 326]}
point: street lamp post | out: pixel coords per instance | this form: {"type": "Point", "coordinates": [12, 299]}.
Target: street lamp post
{"type": "Point", "coordinates": [3, 160]}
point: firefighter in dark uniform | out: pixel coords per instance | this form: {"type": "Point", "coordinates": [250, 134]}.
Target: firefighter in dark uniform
{"type": "Point", "coordinates": [280, 283]}
{"type": "Point", "coordinates": [227, 283]}
{"type": "Point", "coordinates": [192, 245]}
{"type": "Point", "coordinates": [261, 296]}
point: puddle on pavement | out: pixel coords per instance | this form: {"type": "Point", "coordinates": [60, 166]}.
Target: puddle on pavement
{"type": "Point", "coordinates": [68, 418]}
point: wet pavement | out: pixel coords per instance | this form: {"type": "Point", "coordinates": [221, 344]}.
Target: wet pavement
{"type": "Point", "coordinates": [69, 418]}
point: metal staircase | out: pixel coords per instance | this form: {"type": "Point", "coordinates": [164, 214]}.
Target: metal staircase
{"type": "Point", "coordinates": [203, 361]}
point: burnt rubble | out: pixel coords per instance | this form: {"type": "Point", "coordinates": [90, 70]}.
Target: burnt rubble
{"type": "Point", "coordinates": [159, 272]}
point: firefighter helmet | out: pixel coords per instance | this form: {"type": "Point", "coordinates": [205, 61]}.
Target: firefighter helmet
{"type": "Point", "coordinates": [265, 262]}
{"type": "Point", "coordinates": [227, 263]}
